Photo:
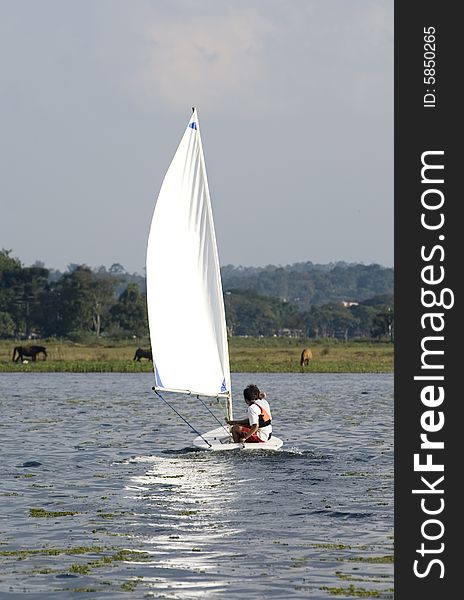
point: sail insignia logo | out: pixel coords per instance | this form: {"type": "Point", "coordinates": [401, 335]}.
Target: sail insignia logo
{"type": "Point", "coordinates": [193, 125]}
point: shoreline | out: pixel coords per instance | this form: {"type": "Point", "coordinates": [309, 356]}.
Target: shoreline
{"type": "Point", "coordinates": [247, 355]}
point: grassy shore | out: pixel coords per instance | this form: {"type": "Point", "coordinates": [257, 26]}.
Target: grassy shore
{"type": "Point", "coordinates": [247, 355]}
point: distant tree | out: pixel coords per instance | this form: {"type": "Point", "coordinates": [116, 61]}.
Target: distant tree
{"type": "Point", "coordinates": [74, 266]}
{"type": "Point", "coordinates": [249, 313]}
{"type": "Point", "coordinates": [117, 269]}
{"type": "Point", "coordinates": [130, 312]}
{"type": "Point", "coordinates": [318, 322]}
{"type": "Point", "coordinates": [7, 325]}
{"type": "Point", "coordinates": [21, 292]}
{"type": "Point", "coordinates": [7, 262]}
{"type": "Point", "coordinates": [334, 320]}
{"type": "Point", "coordinates": [343, 322]}
{"type": "Point", "coordinates": [331, 320]}
{"type": "Point", "coordinates": [79, 302]}
{"type": "Point", "coordinates": [382, 324]}
{"type": "Point", "coordinates": [8, 267]}
{"type": "Point", "coordinates": [39, 264]}
{"type": "Point", "coordinates": [364, 314]}
{"type": "Point", "coordinates": [380, 300]}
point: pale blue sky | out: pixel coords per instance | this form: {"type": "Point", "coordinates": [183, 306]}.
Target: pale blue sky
{"type": "Point", "coordinates": [295, 100]}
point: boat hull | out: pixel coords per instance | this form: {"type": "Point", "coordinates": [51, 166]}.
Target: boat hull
{"type": "Point", "coordinates": [219, 439]}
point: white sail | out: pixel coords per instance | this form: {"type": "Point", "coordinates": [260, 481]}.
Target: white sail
{"type": "Point", "coordinates": [184, 291]}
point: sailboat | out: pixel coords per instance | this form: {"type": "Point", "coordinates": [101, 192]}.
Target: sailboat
{"type": "Point", "coordinates": [184, 295]}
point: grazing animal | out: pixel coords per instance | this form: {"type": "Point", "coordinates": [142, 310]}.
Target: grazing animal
{"type": "Point", "coordinates": [30, 351]}
{"type": "Point", "coordinates": [306, 356]}
{"type": "Point", "coordinates": [141, 353]}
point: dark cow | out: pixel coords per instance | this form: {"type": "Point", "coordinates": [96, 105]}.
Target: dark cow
{"type": "Point", "coordinates": [306, 356]}
{"type": "Point", "coordinates": [28, 351]}
{"type": "Point", "coordinates": [141, 353]}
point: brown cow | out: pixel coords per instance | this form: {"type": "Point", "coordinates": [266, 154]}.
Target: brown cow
{"type": "Point", "coordinates": [306, 356]}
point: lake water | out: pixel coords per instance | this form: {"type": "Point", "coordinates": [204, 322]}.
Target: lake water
{"type": "Point", "coordinates": [153, 518]}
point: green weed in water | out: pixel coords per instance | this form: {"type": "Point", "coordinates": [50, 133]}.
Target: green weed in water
{"type": "Point", "coordinates": [373, 559]}
{"type": "Point", "coordinates": [368, 579]}
{"type": "Point", "coordinates": [81, 569]}
{"type": "Point", "coordinates": [356, 592]}
{"type": "Point", "coordinates": [40, 512]}
{"type": "Point", "coordinates": [52, 551]}
{"type": "Point", "coordinates": [299, 562]}
{"type": "Point", "coordinates": [44, 571]}
{"type": "Point", "coordinates": [129, 586]}
{"type": "Point", "coordinates": [120, 555]}
{"type": "Point", "coordinates": [333, 546]}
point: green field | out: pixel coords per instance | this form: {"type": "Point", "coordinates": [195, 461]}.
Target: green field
{"type": "Point", "coordinates": [247, 355]}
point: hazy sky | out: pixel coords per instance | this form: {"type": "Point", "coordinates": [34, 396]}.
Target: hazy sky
{"type": "Point", "coordinates": [295, 101]}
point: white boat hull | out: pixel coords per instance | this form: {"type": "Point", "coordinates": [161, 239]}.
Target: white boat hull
{"type": "Point", "coordinates": [220, 439]}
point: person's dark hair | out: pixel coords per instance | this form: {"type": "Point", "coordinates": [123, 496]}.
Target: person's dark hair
{"type": "Point", "coordinates": [251, 392]}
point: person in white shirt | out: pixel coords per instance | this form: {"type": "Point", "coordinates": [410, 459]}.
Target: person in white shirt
{"type": "Point", "coordinates": [257, 426]}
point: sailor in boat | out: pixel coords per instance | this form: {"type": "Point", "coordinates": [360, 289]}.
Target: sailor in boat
{"type": "Point", "coordinates": [257, 426]}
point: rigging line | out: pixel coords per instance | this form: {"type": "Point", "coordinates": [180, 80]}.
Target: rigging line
{"type": "Point", "coordinates": [179, 415]}
{"type": "Point", "coordinates": [211, 413]}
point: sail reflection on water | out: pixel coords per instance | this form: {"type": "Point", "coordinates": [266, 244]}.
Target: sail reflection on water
{"type": "Point", "coordinates": [189, 505]}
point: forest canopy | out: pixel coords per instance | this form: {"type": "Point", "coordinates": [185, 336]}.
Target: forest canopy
{"type": "Point", "coordinates": [340, 300]}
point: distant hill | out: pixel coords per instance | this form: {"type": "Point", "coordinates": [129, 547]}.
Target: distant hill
{"type": "Point", "coordinates": [307, 284]}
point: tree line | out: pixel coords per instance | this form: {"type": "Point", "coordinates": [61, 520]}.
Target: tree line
{"type": "Point", "coordinates": [76, 304]}
{"type": "Point", "coordinates": [82, 303]}
{"type": "Point", "coordinates": [307, 284]}
{"type": "Point", "coordinates": [249, 313]}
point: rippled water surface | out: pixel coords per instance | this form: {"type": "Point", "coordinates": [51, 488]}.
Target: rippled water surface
{"type": "Point", "coordinates": [103, 495]}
